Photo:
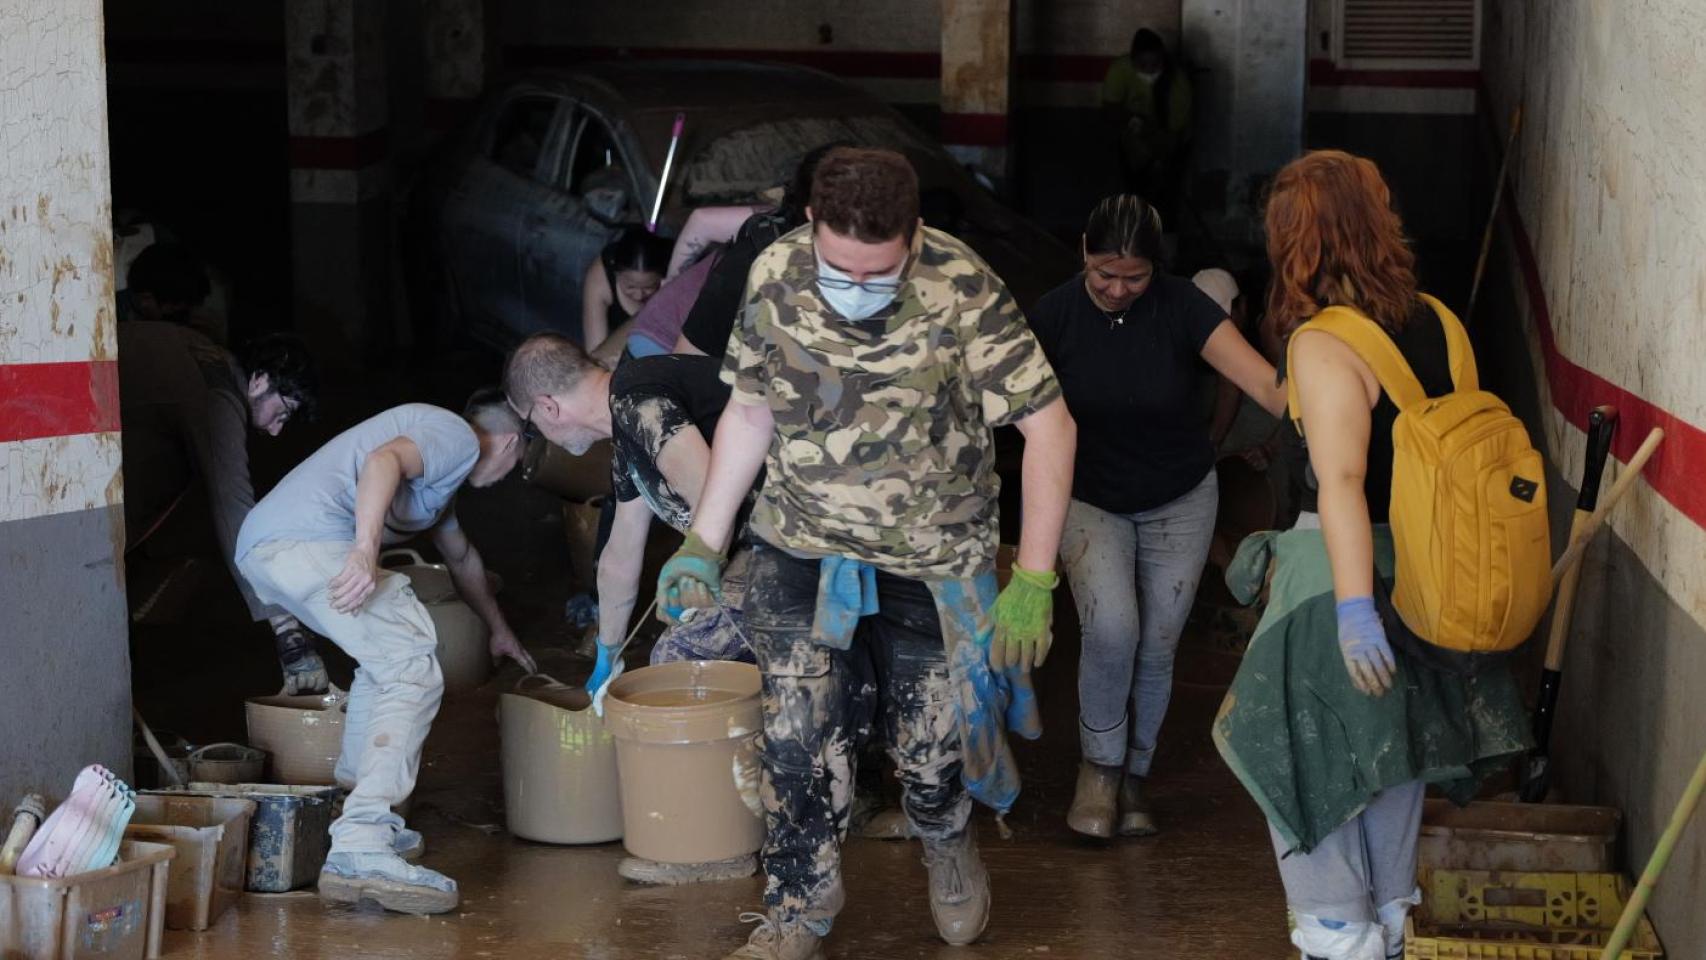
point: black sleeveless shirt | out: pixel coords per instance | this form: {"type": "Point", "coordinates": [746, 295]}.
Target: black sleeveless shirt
{"type": "Point", "coordinates": [1422, 342]}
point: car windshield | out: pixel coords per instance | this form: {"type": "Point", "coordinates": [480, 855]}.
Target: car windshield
{"type": "Point", "coordinates": [738, 165]}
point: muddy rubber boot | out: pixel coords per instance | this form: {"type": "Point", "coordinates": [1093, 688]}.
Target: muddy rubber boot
{"type": "Point", "coordinates": [959, 888]}
{"type": "Point", "coordinates": [1137, 818]}
{"type": "Point", "coordinates": [776, 939]}
{"type": "Point", "coordinates": [641, 870]}
{"type": "Point", "coordinates": [1093, 809]}
{"type": "Point", "coordinates": [383, 878]}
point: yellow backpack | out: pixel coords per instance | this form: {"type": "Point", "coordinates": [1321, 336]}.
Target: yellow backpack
{"type": "Point", "coordinates": [1469, 523]}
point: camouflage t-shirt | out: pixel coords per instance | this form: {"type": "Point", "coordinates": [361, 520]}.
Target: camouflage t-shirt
{"type": "Point", "coordinates": [882, 450]}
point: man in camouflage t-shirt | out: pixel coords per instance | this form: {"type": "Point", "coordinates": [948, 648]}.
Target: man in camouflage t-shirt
{"type": "Point", "coordinates": [873, 358]}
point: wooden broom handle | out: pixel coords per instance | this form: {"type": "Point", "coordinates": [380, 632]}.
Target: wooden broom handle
{"type": "Point", "coordinates": [1625, 480]}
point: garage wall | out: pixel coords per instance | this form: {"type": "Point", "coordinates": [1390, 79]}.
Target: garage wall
{"type": "Point", "coordinates": [65, 673]}
{"type": "Point", "coordinates": [1604, 242]}
{"type": "Point", "coordinates": [1063, 44]}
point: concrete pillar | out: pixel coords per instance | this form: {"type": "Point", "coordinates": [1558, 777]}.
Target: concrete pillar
{"type": "Point", "coordinates": [977, 84]}
{"type": "Point", "coordinates": [339, 175]}
{"type": "Point", "coordinates": [65, 675]}
{"type": "Point", "coordinates": [1249, 60]}
{"type": "Point", "coordinates": [454, 37]}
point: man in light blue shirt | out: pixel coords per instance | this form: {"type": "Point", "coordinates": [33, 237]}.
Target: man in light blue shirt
{"type": "Point", "coordinates": [312, 547]}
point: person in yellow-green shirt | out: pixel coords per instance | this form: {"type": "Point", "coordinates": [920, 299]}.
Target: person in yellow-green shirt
{"type": "Point", "coordinates": [1148, 98]}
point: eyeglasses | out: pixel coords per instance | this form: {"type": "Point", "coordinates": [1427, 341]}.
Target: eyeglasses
{"type": "Point", "coordinates": [529, 432]}
{"type": "Point", "coordinates": [880, 287]}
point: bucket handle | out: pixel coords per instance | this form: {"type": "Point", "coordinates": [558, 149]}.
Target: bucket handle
{"type": "Point", "coordinates": [405, 553]}
{"type": "Point", "coordinates": [550, 681]}
{"type": "Point", "coordinates": [333, 697]}
{"type": "Point", "coordinates": [196, 754]}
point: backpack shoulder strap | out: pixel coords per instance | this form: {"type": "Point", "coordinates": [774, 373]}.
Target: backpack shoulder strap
{"type": "Point", "coordinates": [1371, 344]}
{"type": "Point", "coordinates": [1460, 355]}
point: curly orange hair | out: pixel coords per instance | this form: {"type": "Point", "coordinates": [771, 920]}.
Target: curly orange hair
{"type": "Point", "coordinates": [1333, 237]}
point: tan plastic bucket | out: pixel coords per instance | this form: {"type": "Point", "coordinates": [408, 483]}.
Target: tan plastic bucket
{"type": "Point", "coordinates": [686, 743]}
{"type": "Point", "coordinates": [559, 765]}
{"type": "Point", "coordinates": [303, 735]}
{"type": "Point", "coordinates": [463, 638]}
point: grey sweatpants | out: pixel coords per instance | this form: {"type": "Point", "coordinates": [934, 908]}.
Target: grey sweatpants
{"type": "Point", "coordinates": [1368, 862]}
{"type": "Point", "coordinates": [1134, 577]}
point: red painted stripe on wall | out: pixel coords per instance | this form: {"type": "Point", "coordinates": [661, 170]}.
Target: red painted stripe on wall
{"type": "Point", "coordinates": [1576, 390]}
{"type": "Point", "coordinates": [339, 153]}
{"type": "Point", "coordinates": [58, 399]}
{"type": "Point", "coordinates": [975, 129]}
{"type": "Point", "coordinates": [901, 65]}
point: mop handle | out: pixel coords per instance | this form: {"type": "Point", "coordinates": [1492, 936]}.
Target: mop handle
{"type": "Point", "coordinates": [1625, 480]}
{"type": "Point", "coordinates": [1656, 864]}
{"type": "Point", "coordinates": [663, 181]}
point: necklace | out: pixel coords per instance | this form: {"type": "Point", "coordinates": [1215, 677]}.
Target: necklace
{"type": "Point", "coordinates": [1116, 321]}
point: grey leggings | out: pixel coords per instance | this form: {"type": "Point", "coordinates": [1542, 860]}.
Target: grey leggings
{"type": "Point", "coordinates": [1367, 863]}
{"type": "Point", "coordinates": [1134, 577]}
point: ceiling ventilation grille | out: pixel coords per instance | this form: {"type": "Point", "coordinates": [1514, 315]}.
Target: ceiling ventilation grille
{"type": "Point", "coordinates": [1416, 32]}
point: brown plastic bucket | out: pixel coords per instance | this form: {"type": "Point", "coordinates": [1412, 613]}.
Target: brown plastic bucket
{"type": "Point", "coordinates": [303, 735]}
{"type": "Point", "coordinates": [686, 744]}
{"type": "Point", "coordinates": [559, 765]}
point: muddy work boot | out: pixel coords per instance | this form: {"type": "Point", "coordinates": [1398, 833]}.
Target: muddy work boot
{"type": "Point", "coordinates": [959, 888]}
{"type": "Point", "coordinates": [1093, 810]}
{"type": "Point", "coordinates": [641, 870]}
{"type": "Point", "coordinates": [1137, 818]}
{"type": "Point", "coordinates": [384, 878]}
{"type": "Point", "coordinates": [777, 939]}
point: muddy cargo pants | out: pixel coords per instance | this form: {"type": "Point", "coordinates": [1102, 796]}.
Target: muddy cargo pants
{"type": "Point", "coordinates": [815, 699]}
{"type": "Point", "coordinates": [397, 685]}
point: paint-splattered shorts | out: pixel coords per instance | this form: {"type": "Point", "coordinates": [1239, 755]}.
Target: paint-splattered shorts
{"type": "Point", "coordinates": [819, 703]}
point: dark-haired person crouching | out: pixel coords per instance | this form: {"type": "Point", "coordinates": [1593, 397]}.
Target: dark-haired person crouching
{"type": "Point", "coordinates": [189, 406]}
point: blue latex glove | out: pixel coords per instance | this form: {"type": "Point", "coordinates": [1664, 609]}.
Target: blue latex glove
{"type": "Point", "coordinates": [1362, 641]}
{"type": "Point", "coordinates": [606, 668]}
{"type": "Point", "coordinates": [692, 577]}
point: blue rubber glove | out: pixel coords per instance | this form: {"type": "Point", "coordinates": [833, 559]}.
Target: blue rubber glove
{"type": "Point", "coordinates": [1362, 641]}
{"type": "Point", "coordinates": [606, 668]}
{"type": "Point", "coordinates": [691, 577]}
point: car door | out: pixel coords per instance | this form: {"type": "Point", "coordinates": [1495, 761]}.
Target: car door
{"type": "Point", "coordinates": [510, 175]}
{"type": "Point", "coordinates": [595, 199]}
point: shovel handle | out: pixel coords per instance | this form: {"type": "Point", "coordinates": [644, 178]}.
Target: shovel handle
{"type": "Point", "coordinates": [1625, 480]}
{"type": "Point", "coordinates": [1602, 425]}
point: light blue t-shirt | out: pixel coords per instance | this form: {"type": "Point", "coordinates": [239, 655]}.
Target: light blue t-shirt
{"type": "Point", "coordinates": [316, 501]}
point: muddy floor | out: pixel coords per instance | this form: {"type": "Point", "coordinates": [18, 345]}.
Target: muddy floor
{"type": "Point", "coordinates": [1206, 887]}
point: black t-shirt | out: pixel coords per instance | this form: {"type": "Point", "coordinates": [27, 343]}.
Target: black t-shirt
{"type": "Point", "coordinates": [1134, 388]}
{"type": "Point", "coordinates": [651, 399]}
{"type": "Point", "coordinates": [712, 318]}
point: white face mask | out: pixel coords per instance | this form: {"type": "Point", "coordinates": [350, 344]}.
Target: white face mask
{"type": "Point", "coordinates": [1150, 77]}
{"type": "Point", "coordinates": [853, 299]}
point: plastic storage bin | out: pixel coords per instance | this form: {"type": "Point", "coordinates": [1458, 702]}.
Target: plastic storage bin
{"type": "Point", "coordinates": [211, 835]}
{"type": "Point", "coordinates": [115, 914]}
{"type": "Point", "coordinates": [288, 838]}
{"type": "Point", "coordinates": [1529, 837]}
{"type": "Point", "coordinates": [1483, 915]}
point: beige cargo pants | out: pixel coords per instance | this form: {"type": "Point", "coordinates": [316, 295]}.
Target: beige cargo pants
{"type": "Point", "coordinates": [397, 689]}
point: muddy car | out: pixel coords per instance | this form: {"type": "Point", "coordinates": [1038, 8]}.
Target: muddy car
{"type": "Point", "coordinates": [555, 165]}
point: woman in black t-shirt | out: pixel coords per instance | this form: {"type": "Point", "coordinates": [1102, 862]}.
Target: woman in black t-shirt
{"type": "Point", "coordinates": [1128, 343]}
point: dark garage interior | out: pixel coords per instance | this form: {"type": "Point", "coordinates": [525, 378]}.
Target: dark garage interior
{"type": "Point", "coordinates": [365, 593]}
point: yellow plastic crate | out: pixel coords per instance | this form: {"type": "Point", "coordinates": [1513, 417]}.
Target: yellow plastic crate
{"type": "Point", "coordinates": [1480, 915]}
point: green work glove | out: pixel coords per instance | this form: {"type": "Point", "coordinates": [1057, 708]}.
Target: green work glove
{"type": "Point", "coordinates": [692, 577]}
{"type": "Point", "coordinates": [1024, 613]}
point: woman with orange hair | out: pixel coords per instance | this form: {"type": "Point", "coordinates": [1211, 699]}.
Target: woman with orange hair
{"type": "Point", "coordinates": [1339, 717]}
